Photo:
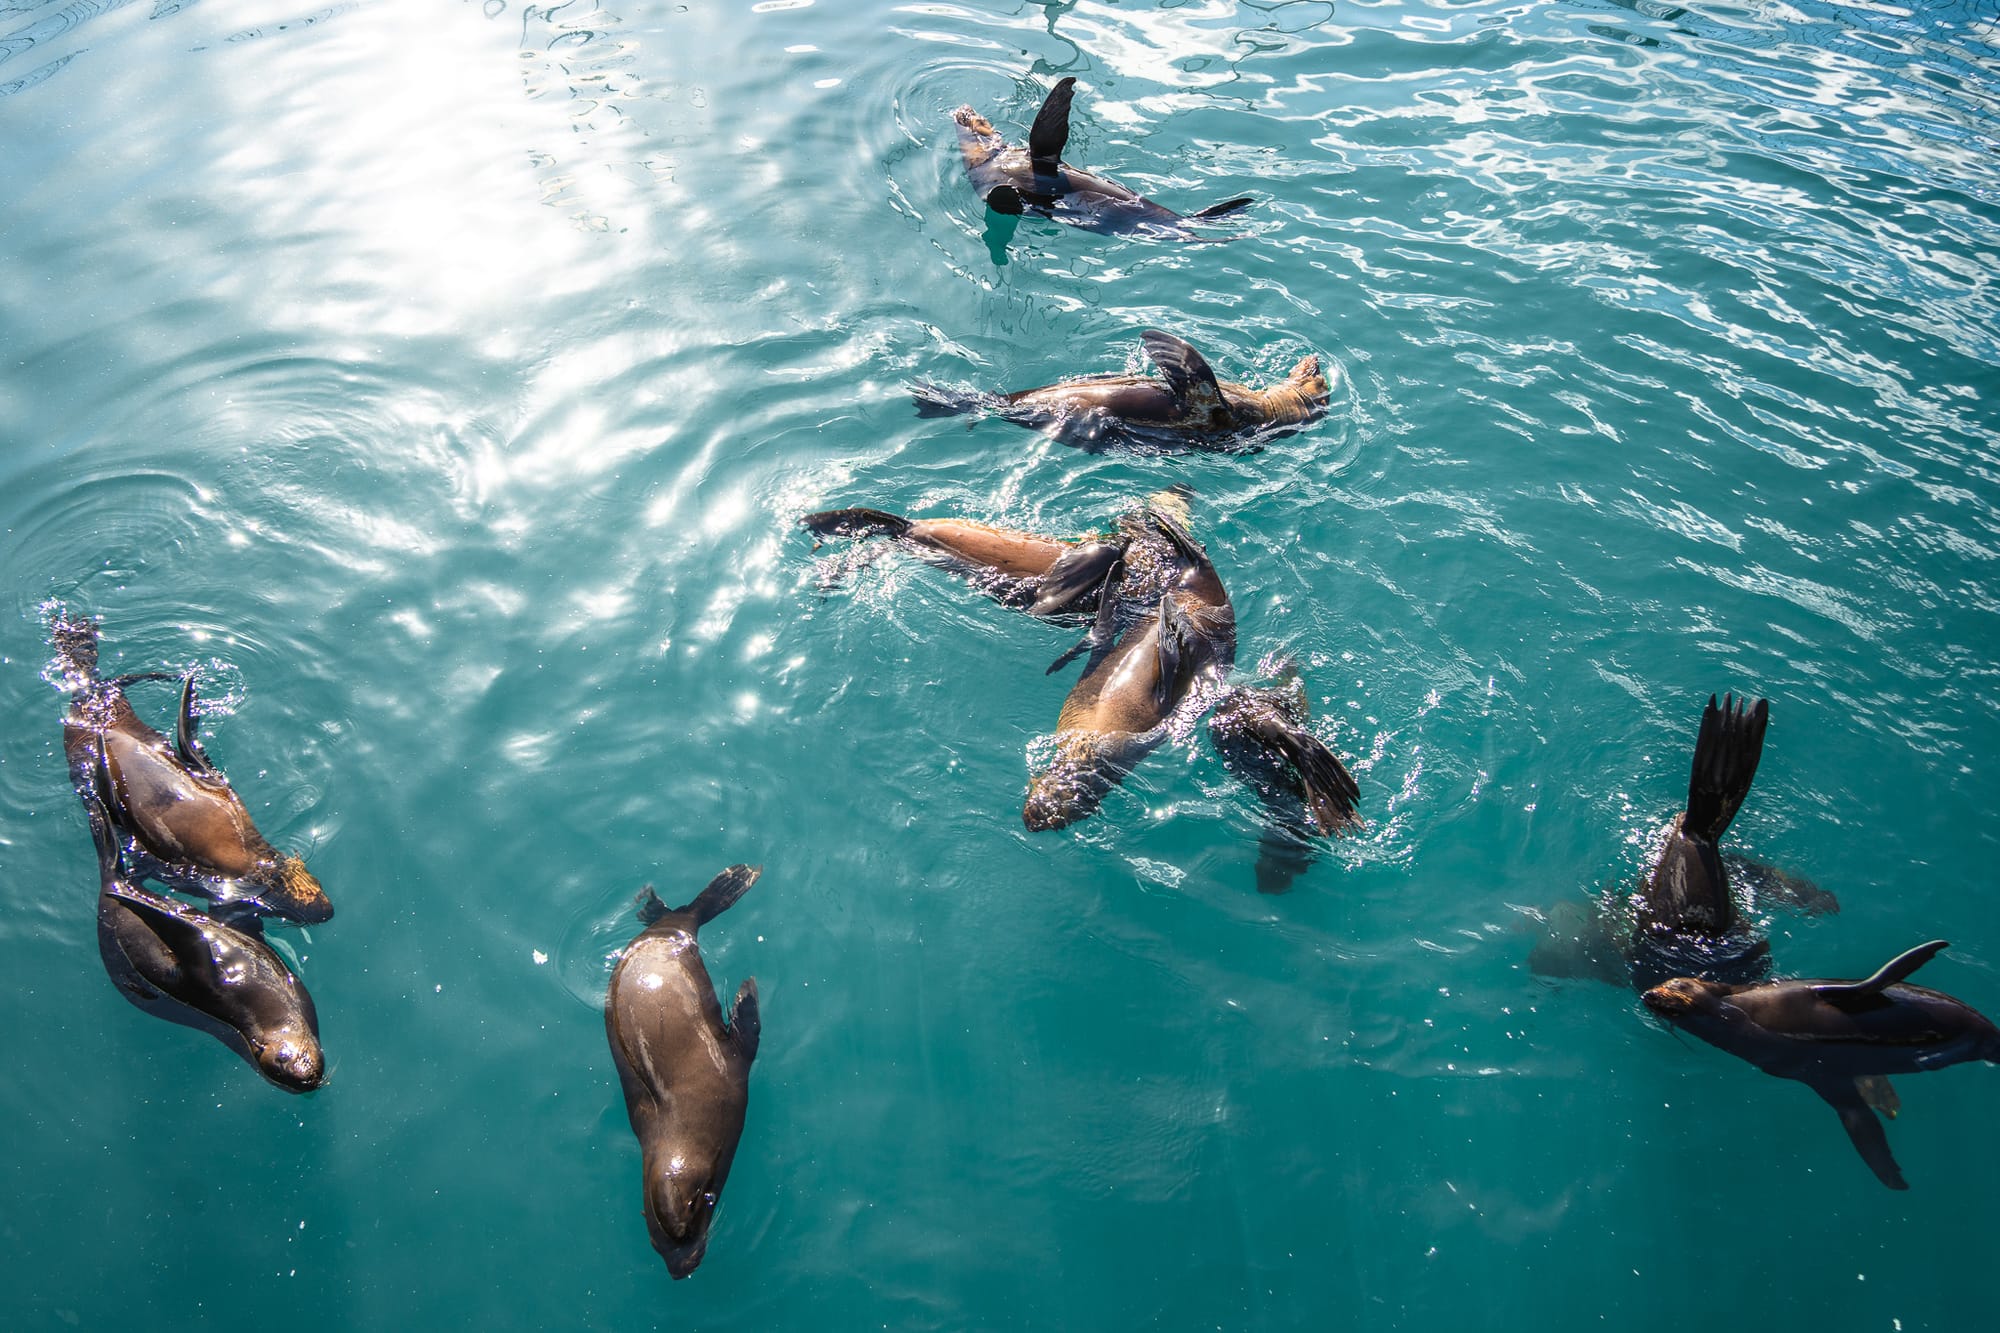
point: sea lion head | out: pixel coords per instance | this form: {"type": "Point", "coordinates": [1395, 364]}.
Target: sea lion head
{"type": "Point", "coordinates": [680, 1203]}
{"type": "Point", "coordinates": [1071, 787]}
{"type": "Point", "coordinates": [1686, 1000]}
{"type": "Point", "coordinates": [283, 882]}
{"type": "Point", "coordinates": [977, 140]}
{"type": "Point", "coordinates": [288, 1056]}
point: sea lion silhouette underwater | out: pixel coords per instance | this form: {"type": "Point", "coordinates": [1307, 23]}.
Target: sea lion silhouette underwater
{"type": "Point", "coordinates": [1686, 920]}
{"type": "Point", "coordinates": [1035, 179]}
{"type": "Point", "coordinates": [184, 822]}
{"type": "Point", "coordinates": [1184, 408]}
{"type": "Point", "coordinates": [1835, 1036]}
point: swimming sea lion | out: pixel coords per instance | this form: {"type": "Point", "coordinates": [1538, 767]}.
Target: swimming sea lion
{"type": "Point", "coordinates": [686, 1074]}
{"type": "Point", "coordinates": [1184, 408]}
{"type": "Point", "coordinates": [222, 979]}
{"type": "Point", "coordinates": [1044, 576]}
{"type": "Point", "coordinates": [188, 827]}
{"type": "Point", "coordinates": [1260, 732]}
{"type": "Point", "coordinates": [1036, 179]}
{"type": "Point", "coordinates": [1831, 1035]}
{"type": "Point", "coordinates": [1137, 677]}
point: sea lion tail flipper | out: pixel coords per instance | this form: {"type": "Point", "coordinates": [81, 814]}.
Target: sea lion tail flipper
{"type": "Point", "coordinates": [745, 1027]}
{"type": "Point", "coordinates": [722, 893]}
{"type": "Point", "coordinates": [1864, 1129]}
{"type": "Point", "coordinates": [1223, 209]}
{"type": "Point", "coordinates": [1725, 762]}
{"type": "Point", "coordinates": [1187, 373]}
{"type": "Point", "coordinates": [187, 744]}
{"type": "Point", "coordinates": [1891, 972]}
{"type": "Point", "coordinates": [1076, 576]}
{"type": "Point", "coordinates": [856, 523]}
{"type": "Point", "coordinates": [1102, 626]}
{"type": "Point", "coordinates": [943, 400]}
{"type": "Point", "coordinates": [1050, 134]}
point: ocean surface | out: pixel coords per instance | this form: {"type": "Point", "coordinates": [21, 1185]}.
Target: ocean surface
{"type": "Point", "coordinates": [443, 382]}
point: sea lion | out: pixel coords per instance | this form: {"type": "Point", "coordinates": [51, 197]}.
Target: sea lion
{"type": "Point", "coordinates": [1260, 732]}
{"type": "Point", "coordinates": [187, 826]}
{"type": "Point", "coordinates": [1138, 675]}
{"type": "Point", "coordinates": [1048, 577]}
{"type": "Point", "coordinates": [1831, 1035]}
{"type": "Point", "coordinates": [175, 963]}
{"type": "Point", "coordinates": [1184, 408]}
{"type": "Point", "coordinates": [686, 1074]}
{"type": "Point", "coordinates": [1035, 179]}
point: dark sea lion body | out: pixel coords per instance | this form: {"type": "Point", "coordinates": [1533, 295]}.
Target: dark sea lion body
{"type": "Point", "coordinates": [1048, 577]}
{"type": "Point", "coordinates": [188, 827]}
{"type": "Point", "coordinates": [1184, 408]}
{"type": "Point", "coordinates": [1833, 1035]}
{"type": "Point", "coordinates": [684, 1070]}
{"type": "Point", "coordinates": [1035, 179]}
{"type": "Point", "coordinates": [177, 964]}
{"type": "Point", "coordinates": [1137, 676]}
{"type": "Point", "coordinates": [1308, 794]}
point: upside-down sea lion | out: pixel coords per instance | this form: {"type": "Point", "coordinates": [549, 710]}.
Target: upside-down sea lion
{"type": "Point", "coordinates": [1036, 179]}
{"type": "Point", "coordinates": [1045, 576]}
{"type": "Point", "coordinates": [188, 827]}
{"type": "Point", "coordinates": [175, 963]}
{"type": "Point", "coordinates": [1185, 407]}
{"type": "Point", "coordinates": [1261, 734]}
{"type": "Point", "coordinates": [1833, 1035]}
{"type": "Point", "coordinates": [1138, 675]}
{"type": "Point", "coordinates": [686, 1074]}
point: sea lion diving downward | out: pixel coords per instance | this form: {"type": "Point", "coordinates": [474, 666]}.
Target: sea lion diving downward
{"type": "Point", "coordinates": [216, 977]}
{"type": "Point", "coordinates": [685, 1073]}
{"type": "Point", "coordinates": [1831, 1035]}
{"type": "Point", "coordinates": [1308, 794]}
{"type": "Point", "coordinates": [186, 825]}
{"type": "Point", "coordinates": [1036, 180]}
{"type": "Point", "coordinates": [1184, 408]}
{"type": "Point", "coordinates": [1140, 672]}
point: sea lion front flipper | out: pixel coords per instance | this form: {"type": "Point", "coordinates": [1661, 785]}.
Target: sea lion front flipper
{"type": "Point", "coordinates": [1878, 1092]}
{"type": "Point", "coordinates": [1176, 653]}
{"type": "Point", "coordinates": [745, 1026]}
{"type": "Point", "coordinates": [1224, 208]}
{"type": "Point", "coordinates": [1864, 993]}
{"type": "Point", "coordinates": [1331, 791]}
{"type": "Point", "coordinates": [722, 893]}
{"type": "Point", "coordinates": [108, 798]}
{"type": "Point", "coordinates": [1865, 1130]}
{"type": "Point", "coordinates": [651, 909]}
{"type": "Point", "coordinates": [185, 940]}
{"type": "Point", "coordinates": [1077, 573]}
{"type": "Point", "coordinates": [1050, 134]}
{"type": "Point", "coordinates": [1188, 374]}
{"type": "Point", "coordinates": [1006, 199]}
{"type": "Point", "coordinates": [186, 743]}
{"type": "Point", "coordinates": [855, 523]}
{"type": "Point", "coordinates": [1103, 625]}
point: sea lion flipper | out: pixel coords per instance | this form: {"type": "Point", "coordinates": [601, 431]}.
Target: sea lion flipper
{"type": "Point", "coordinates": [745, 1026]}
{"type": "Point", "coordinates": [722, 893]}
{"type": "Point", "coordinates": [1224, 208]}
{"type": "Point", "coordinates": [855, 523]}
{"type": "Point", "coordinates": [1176, 633]}
{"type": "Point", "coordinates": [1879, 1093]}
{"type": "Point", "coordinates": [1331, 791]}
{"type": "Point", "coordinates": [167, 920]}
{"type": "Point", "coordinates": [1891, 972]}
{"type": "Point", "coordinates": [1726, 751]}
{"type": "Point", "coordinates": [1050, 134]}
{"type": "Point", "coordinates": [1006, 199]}
{"type": "Point", "coordinates": [651, 909]}
{"type": "Point", "coordinates": [1187, 373]}
{"type": "Point", "coordinates": [1076, 574]}
{"type": "Point", "coordinates": [1104, 625]}
{"type": "Point", "coordinates": [1865, 1130]}
{"type": "Point", "coordinates": [109, 799]}
{"type": "Point", "coordinates": [187, 744]}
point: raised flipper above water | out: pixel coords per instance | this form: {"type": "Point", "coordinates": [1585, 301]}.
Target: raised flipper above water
{"type": "Point", "coordinates": [1050, 134]}
{"type": "Point", "coordinates": [1081, 574]}
{"type": "Point", "coordinates": [1726, 751]}
{"type": "Point", "coordinates": [1331, 792]}
{"type": "Point", "coordinates": [720, 895]}
{"type": "Point", "coordinates": [187, 743]}
{"type": "Point", "coordinates": [1863, 1129]}
{"type": "Point", "coordinates": [1189, 375]}
{"type": "Point", "coordinates": [1224, 209]}
{"type": "Point", "coordinates": [1867, 994]}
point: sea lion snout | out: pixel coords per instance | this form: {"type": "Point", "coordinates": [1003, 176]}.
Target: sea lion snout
{"type": "Point", "coordinates": [1679, 997]}
{"type": "Point", "coordinates": [972, 120]}
{"type": "Point", "coordinates": [297, 892]}
{"type": "Point", "coordinates": [292, 1060]}
{"type": "Point", "coordinates": [1063, 794]}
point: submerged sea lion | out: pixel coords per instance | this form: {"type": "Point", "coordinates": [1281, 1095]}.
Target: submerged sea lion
{"type": "Point", "coordinates": [1035, 179]}
{"type": "Point", "coordinates": [1184, 408]}
{"type": "Point", "coordinates": [1308, 794]}
{"type": "Point", "coordinates": [188, 827]}
{"type": "Point", "coordinates": [1833, 1035]}
{"type": "Point", "coordinates": [222, 979]}
{"type": "Point", "coordinates": [1137, 677]}
{"type": "Point", "coordinates": [686, 1074]}
{"type": "Point", "coordinates": [1044, 576]}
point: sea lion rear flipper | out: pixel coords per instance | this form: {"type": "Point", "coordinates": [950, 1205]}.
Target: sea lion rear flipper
{"type": "Point", "coordinates": [1865, 1130]}
{"type": "Point", "coordinates": [1224, 208]}
{"type": "Point", "coordinates": [1050, 134]}
{"type": "Point", "coordinates": [1726, 752]}
{"type": "Point", "coordinates": [1864, 993]}
{"type": "Point", "coordinates": [943, 400]}
{"type": "Point", "coordinates": [1188, 374]}
{"type": "Point", "coordinates": [1079, 572]}
{"type": "Point", "coordinates": [186, 743]}
{"type": "Point", "coordinates": [1878, 1092]}
{"type": "Point", "coordinates": [745, 1026]}
{"type": "Point", "coordinates": [722, 893]}
{"type": "Point", "coordinates": [1103, 625]}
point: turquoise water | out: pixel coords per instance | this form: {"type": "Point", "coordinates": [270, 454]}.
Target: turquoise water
{"type": "Point", "coordinates": [445, 381]}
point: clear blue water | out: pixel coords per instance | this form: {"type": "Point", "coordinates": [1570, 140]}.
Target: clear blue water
{"type": "Point", "coordinates": [446, 379]}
